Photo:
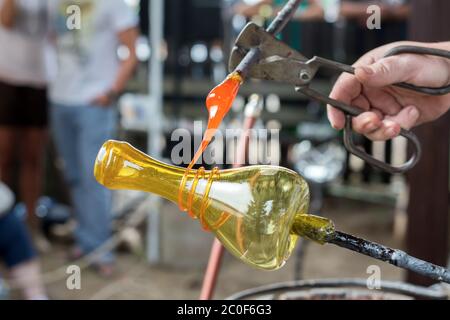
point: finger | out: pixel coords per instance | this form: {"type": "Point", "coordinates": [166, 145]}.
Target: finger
{"type": "Point", "coordinates": [346, 88]}
{"type": "Point", "coordinates": [387, 71]}
{"type": "Point", "coordinates": [382, 101]}
{"type": "Point", "coordinates": [390, 127]}
{"type": "Point", "coordinates": [366, 123]}
{"type": "Point", "coordinates": [336, 117]}
{"type": "Point", "coordinates": [407, 118]}
{"type": "Point", "coordinates": [388, 130]}
{"type": "Point", "coordinates": [361, 102]}
{"type": "Point", "coordinates": [378, 113]}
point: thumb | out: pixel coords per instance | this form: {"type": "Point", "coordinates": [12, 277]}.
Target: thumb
{"type": "Point", "coordinates": [387, 71]}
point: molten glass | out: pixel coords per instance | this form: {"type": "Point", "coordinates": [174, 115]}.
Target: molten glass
{"type": "Point", "coordinates": [251, 210]}
{"type": "Point", "coordinates": [218, 103]}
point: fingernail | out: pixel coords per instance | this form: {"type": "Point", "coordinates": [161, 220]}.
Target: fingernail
{"type": "Point", "coordinates": [367, 124]}
{"type": "Point", "coordinates": [335, 127]}
{"type": "Point", "coordinates": [367, 70]}
{"type": "Point", "coordinates": [371, 126]}
{"type": "Point", "coordinates": [391, 132]}
{"type": "Point", "coordinates": [413, 113]}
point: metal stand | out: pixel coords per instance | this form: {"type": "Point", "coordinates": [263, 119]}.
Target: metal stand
{"type": "Point", "coordinates": [155, 88]}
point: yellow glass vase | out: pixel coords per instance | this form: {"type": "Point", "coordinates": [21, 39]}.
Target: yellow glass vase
{"type": "Point", "coordinates": [251, 210]}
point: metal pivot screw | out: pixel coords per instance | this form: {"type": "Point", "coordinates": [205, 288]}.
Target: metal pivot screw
{"type": "Point", "coordinates": [304, 75]}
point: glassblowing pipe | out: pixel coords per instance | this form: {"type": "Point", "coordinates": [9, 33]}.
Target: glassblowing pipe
{"type": "Point", "coordinates": [322, 230]}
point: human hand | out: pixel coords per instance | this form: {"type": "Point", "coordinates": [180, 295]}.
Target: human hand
{"type": "Point", "coordinates": [105, 99]}
{"type": "Point", "coordinates": [389, 108]}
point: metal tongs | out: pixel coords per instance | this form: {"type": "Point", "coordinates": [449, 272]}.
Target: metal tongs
{"type": "Point", "coordinates": [259, 54]}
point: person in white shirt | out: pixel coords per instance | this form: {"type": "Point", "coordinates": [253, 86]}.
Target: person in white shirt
{"type": "Point", "coordinates": [88, 79]}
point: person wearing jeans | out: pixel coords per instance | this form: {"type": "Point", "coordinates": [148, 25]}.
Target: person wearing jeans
{"type": "Point", "coordinates": [78, 132]}
{"type": "Point", "coordinates": [88, 79]}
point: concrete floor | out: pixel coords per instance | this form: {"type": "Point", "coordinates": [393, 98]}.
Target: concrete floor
{"type": "Point", "coordinates": [134, 279]}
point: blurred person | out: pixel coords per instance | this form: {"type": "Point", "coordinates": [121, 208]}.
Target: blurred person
{"type": "Point", "coordinates": [88, 80]}
{"type": "Point", "coordinates": [310, 9]}
{"type": "Point", "coordinates": [387, 109]}
{"type": "Point", "coordinates": [23, 101]}
{"type": "Point", "coordinates": [314, 9]}
{"type": "Point", "coordinates": [17, 251]}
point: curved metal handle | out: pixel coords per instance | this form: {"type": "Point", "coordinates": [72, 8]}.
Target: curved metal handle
{"type": "Point", "coordinates": [351, 111]}
{"type": "Point", "coordinates": [352, 148]}
{"type": "Point", "coordinates": [317, 62]}
{"type": "Point", "coordinates": [426, 51]}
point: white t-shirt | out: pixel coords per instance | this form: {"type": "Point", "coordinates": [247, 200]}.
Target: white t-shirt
{"type": "Point", "coordinates": [87, 62]}
{"type": "Point", "coordinates": [23, 47]}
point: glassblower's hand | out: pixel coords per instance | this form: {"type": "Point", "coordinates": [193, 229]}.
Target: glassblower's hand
{"type": "Point", "coordinates": [388, 108]}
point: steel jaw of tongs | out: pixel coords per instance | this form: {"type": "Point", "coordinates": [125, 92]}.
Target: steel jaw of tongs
{"type": "Point", "coordinates": [279, 62]}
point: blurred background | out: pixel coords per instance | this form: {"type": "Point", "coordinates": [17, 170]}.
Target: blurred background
{"type": "Point", "coordinates": [160, 252]}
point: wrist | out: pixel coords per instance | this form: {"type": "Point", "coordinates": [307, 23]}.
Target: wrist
{"type": "Point", "coordinates": [113, 94]}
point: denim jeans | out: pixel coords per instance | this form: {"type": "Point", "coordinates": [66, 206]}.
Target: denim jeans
{"type": "Point", "coordinates": [16, 246]}
{"type": "Point", "coordinates": [79, 132]}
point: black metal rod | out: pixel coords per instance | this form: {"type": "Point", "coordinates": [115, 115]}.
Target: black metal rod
{"type": "Point", "coordinates": [283, 17]}
{"type": "Point", "coordinates": [393, 256]}
{"type": "Point", "coordinates": [274, 28]}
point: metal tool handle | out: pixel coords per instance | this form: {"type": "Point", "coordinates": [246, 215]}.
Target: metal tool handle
{"type": "Point", "coordinates": [426, 51]}
{"type": "Point", "coordinates": [350, 112]}
{"type": "Point", "coordinates": [318, 62]}
{"type": "Point", "coordinates": [357, 151]}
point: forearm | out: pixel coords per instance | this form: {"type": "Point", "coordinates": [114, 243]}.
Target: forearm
{"type": "Point", "coordinates": [8, 12]}
{"type": "Point", "coordinates": [401, 12]}
{"type": "Point", "coordinates": [352, 10]}
{"type": "Point", "coordinates": [313, 13]}
{"type": "Point", "coordinates": [127, 67]}
{"type": "Point", "coordinates": [124, 74]}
